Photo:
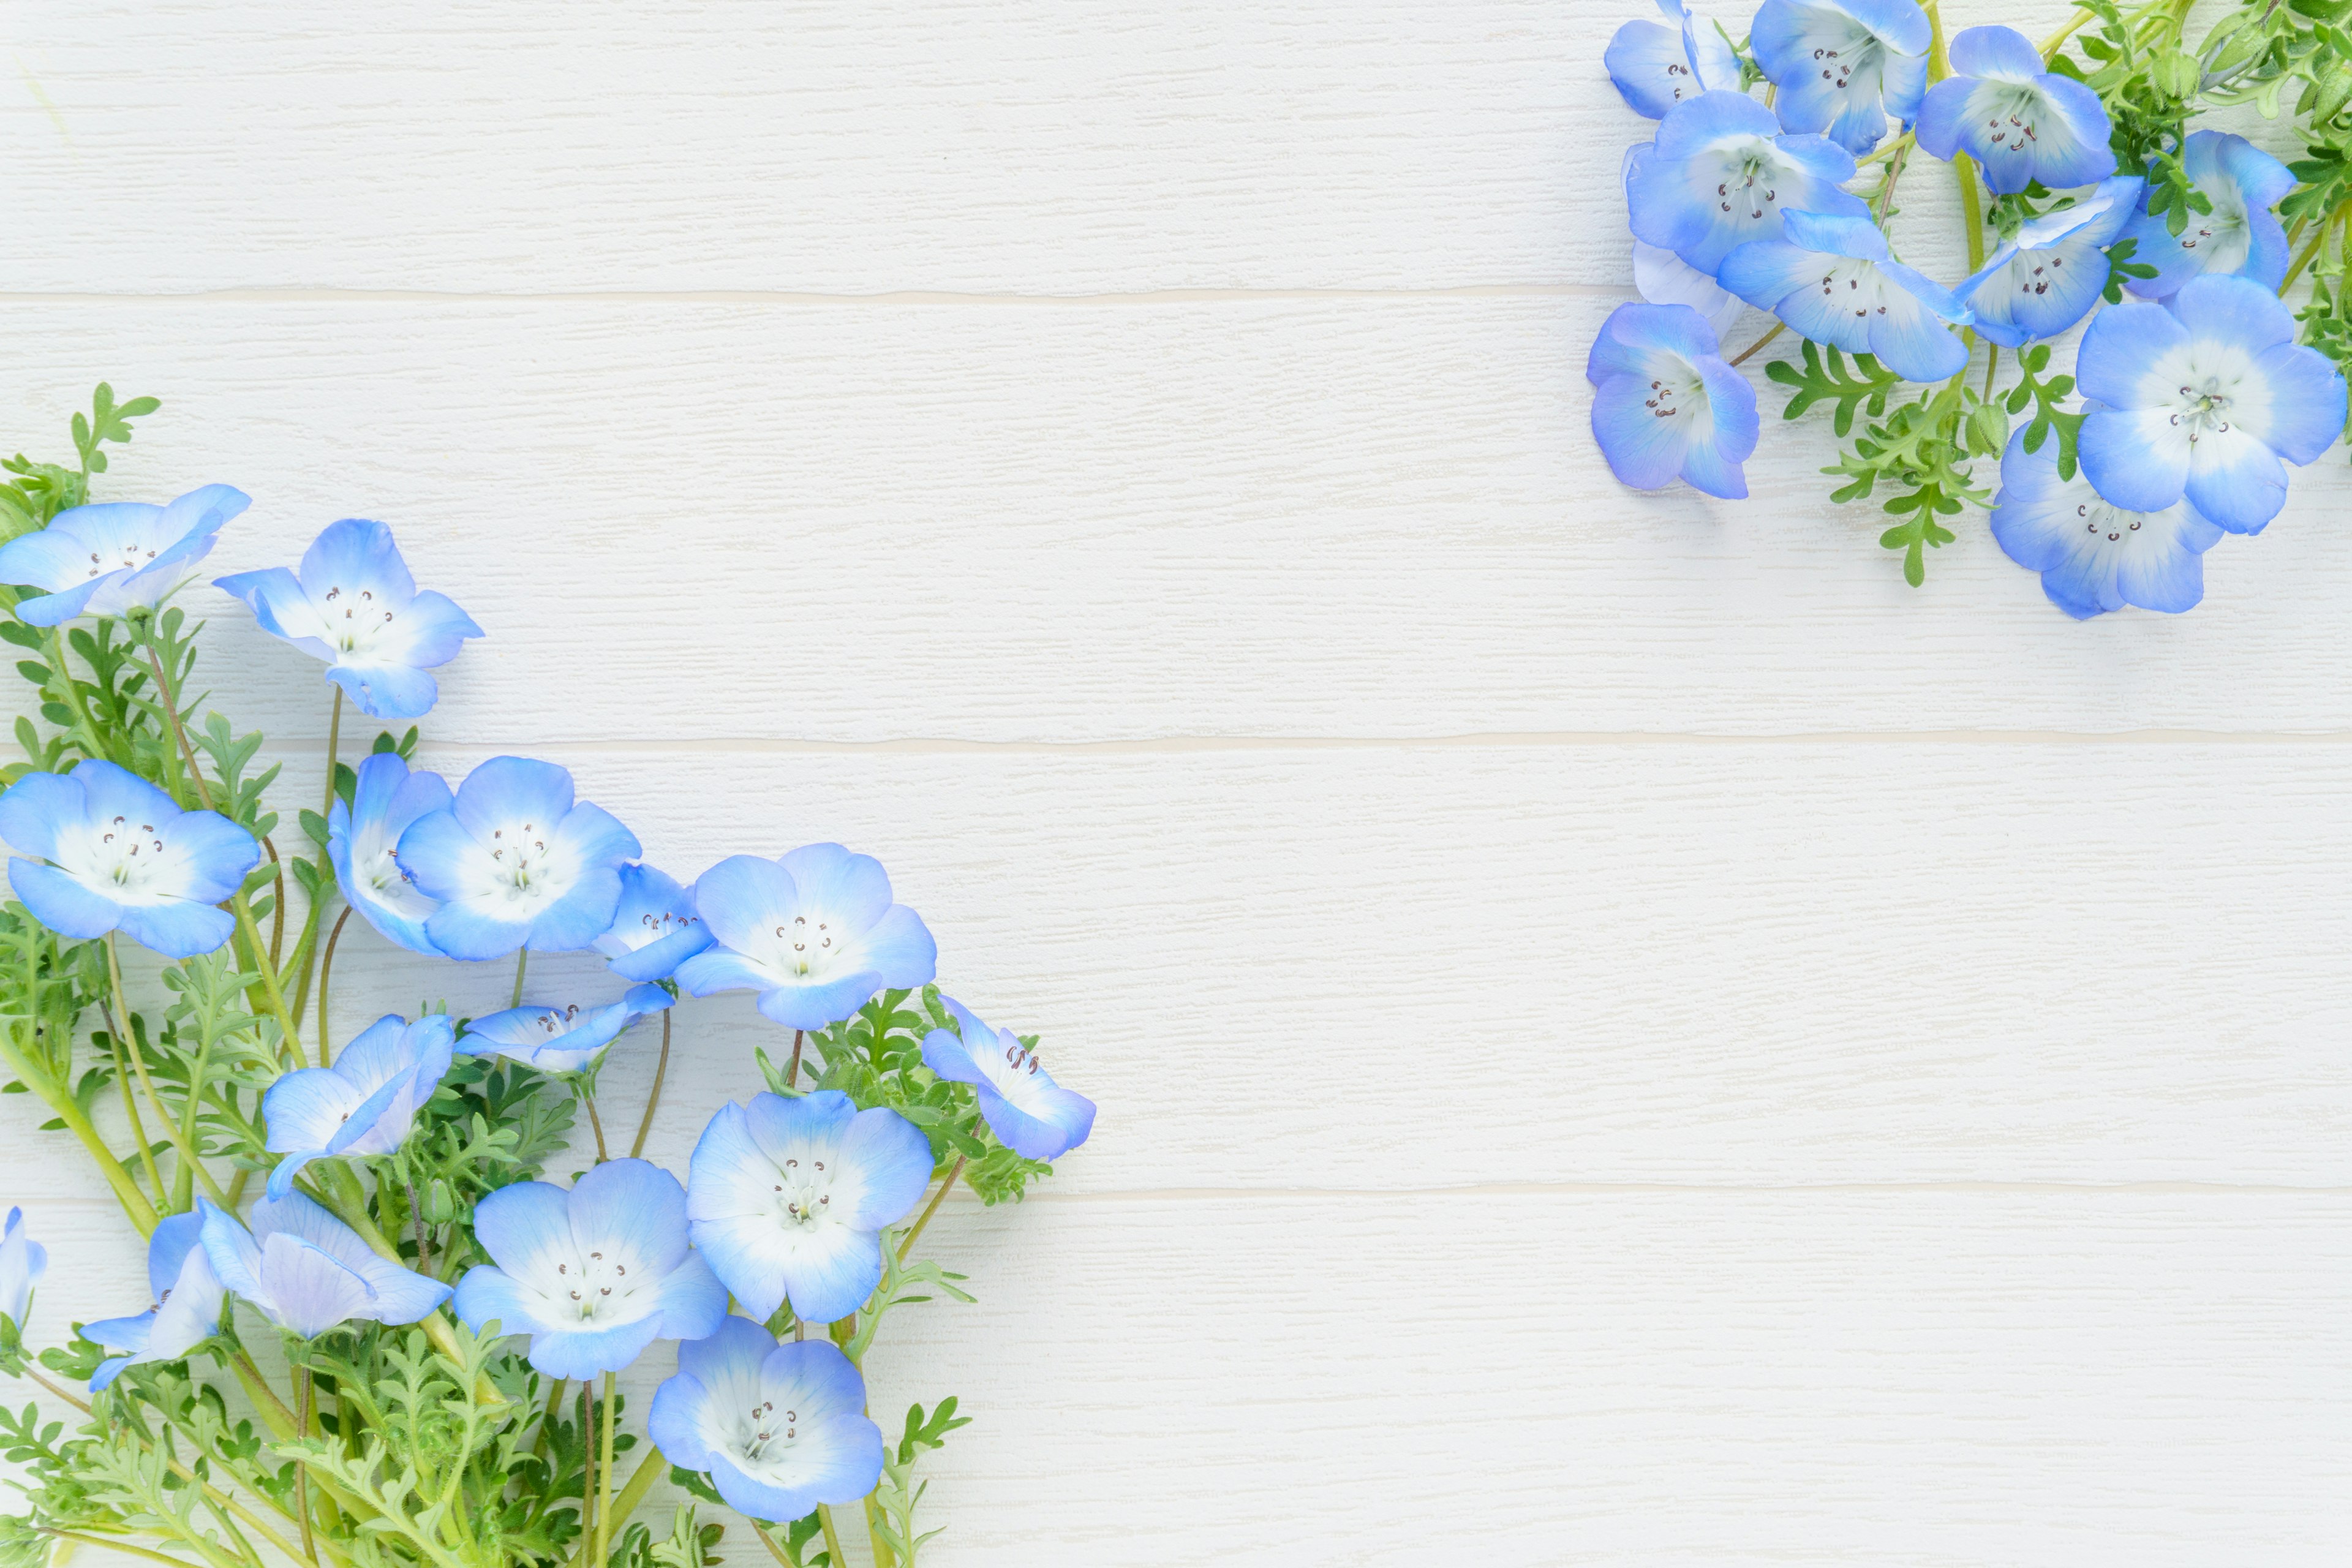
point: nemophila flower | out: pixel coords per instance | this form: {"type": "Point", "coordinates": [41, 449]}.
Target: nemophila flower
{"type": "Point", "coordinates": [22, 1261]}
{"type": "Point", "coordinates": [305, 1270]}
{"type": "Point", "coordinates": [594, 1275]}
{"type": "Point", "coordinates": [188, 1303]}
{"type": "Point", "coordinates": [2052, 274]}
{"type": "Point", "coordinates": [1833, 279]}
{"type": "Point", "coordinates": [2019, 120]}
{"type": "Point", "coordinates": [355, 606]}
{"type": "Point", "coordinates": [114, 853]}
{"type": "Point", "coordinates": [779, 1428]}
{"type": "Point", "coordinates": [1031, 1114]}
{"type": "Point", "coordinates": [1842, 66]}
{"type": "Point", "coordinates": [362, 841]}
{"type": "Point", "coordinates": [788, 1198]}
{"type": "Point", "coordinates": [1719, 174]}
{"type": "Point", "coordinates": [1665, 405]}
{"type": "Point", "coordinates": [2204, 396]}
{"type": "Point", "coordinates": [1658, 67]}
{"type": "Point", "coordinates": [655, 928]}
{"type": "Point", "coordinates": [814, 933]}
{"type": "Point", "coordinates": [2095, 556]}
{"type": "Point", "coordinates": [559, 1039]}
{"type": "Point", "coordinates": [105, 558]}
{"type": "Point", "coordinates": [516, 862]}
{"type": "Point", "coordinates": [364, 1104]}
{"type": "Point", "coordinates": [1662, 278]}
{"type": "Point", "coordinates": [2240, 236]}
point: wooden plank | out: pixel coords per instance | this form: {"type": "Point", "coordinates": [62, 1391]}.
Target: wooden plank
{"type": "Point", "coordinates": [1046, 524]}
{"type": "Point", "coordinates": [1940, 1377]}
{"type": "Point", "coordinates": [1770, 964]}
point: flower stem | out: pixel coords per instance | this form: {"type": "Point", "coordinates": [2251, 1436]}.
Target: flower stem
{"type": "Point", "coordinates": [588, 1099]}
{"type": "Point", "coordinates": [301, 1471]}
{"type": "Point", "coordinates": [276, 900]}
{"type": "Point", "coordinates": [832, 1542]}
{"type": "Point", "coordinates": [90, 743]}
{"type": "Point", "coordinates": [883, 1556]}
{"type": "Point", "coordinates": [774, 1550]}
{"type": "Point", "coordinates": [931, 1208]}
{"type": "Point", "coordinates": [522, 962]}
{"type": "Point", "coordinates": [416, 1219]}
{"type": "Point", "coordinates": [651, 1468]}
{"type": "Point", "coordinates": [792, 1073]}
{"type": "Point", "coordinates": [1777, 328]}
{"type": "Point", "coordinates": [182, 1146]}
{"type": "Point", "coordinates": [547, 1417]}
{"type": "Point", "coordinates": [605, 1484]}
{"type": "Point", "coordinates": [652, 1098]}
{"type": "Point", "coordinates": [326, 967]}
{"type": "Point", "coordinates": [115, 1033]}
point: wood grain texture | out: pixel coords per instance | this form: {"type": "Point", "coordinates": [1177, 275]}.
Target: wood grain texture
{"type": "Point", "coordinates": [1277, 518]}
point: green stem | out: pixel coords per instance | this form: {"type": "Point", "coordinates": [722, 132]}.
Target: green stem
{"type": "Point", "coordinates": [111, 1544]}
{"type": "Point", "coordinates": [651, 1468]}
{"type": "Point", "coordinates": [326, 967]}
{"type": "Point", "coordinates": [60, 1099]}
{"type": "Point", "coordinates": [1743, 354]}
{"type": "Point", "coordinates": [930, 1208]}
{"type": "Point", "coordinates": [774, 1551]}
{"type": "Point", "coordinates": [2294, 270]}
{"type": "Point", "coordinates": [547, 1418]}
{"type": "Point", "coordinates": [302, 1471]}
{"type": "Point", "coordinates": [832, 1540]}
{"type": "Point", "coordinates": [349, 1202]}
{"type": "Point", "coordinates": [90, 743]}
{"type": "Point", "coordinates": [307, 943]}
{"type": "Point", "coordinates": [269, 991]}
{"type": "Point", "coordinates": [588, 1099]}
{"type": "Point", "coordinates": [883, 1556]}
{"type": "Point", "coordinates": [115, 1031]}
{"type": "Point", "coordinates": [605, 1484]}
{"type": "Point", "coordinates": [1992, 363]}
{"type": "Point", "coordinates": [652, 1098]}
{"type": "Point", "coordinates": [522, 962]}
{"type": "Point", "coordinates": [183, 1144]}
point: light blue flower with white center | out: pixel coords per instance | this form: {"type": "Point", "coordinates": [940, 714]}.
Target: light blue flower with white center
{"type": "Point", "coordinates": [1662, 278]}
{"type": "Point", "coordinates": [2240, 237]}
{"type": "Point", "coordinates": [515, 861]}
{"type": "Point", "coordinates": [1658, 67]}
{"type": "Point", "coordinates": [2019, 120]}
{"type": "Point", "coordinates": [1719, 174]}
{"type": "Point", "coordinates": [106, 559]}
{"type": "Point", "coordinates": [363, 841]}
{"type": "Point", "coordinates": [307, 1271]}
{"type": "Point", "coordinates": [559, 1039]}
{"type": "Point", "coordinates": [814, 933]}
{"type": "Point", "coordinates": [2049, 277]}
{"type": "Point", "coordinates": [1833, 279]}
{"type": "Point", "coordinates": [788, 1198]}
{"type": "Point", "coordinates": [187, 1307]}
{"type": "Point", "coordinates": [2093, 557]}
{"type": "Point", "coordinates": [1665, 405]}
{"type": "Point", "coordinates": [2205, 396]}
{"type": "Point", "coordinates": [594, 1275]}
{"type": "Point", "coordinates": [655, 928]}
{"type": "Point", "coordinates": [112, 852]}
{"type": "Point", "coordinates": [22, 1261]}
{"type": "Point", "coordinates": [366, 1103]}
{"type": "Point", "coordinates": [1031, 1114]}
{"type": "Point", "coordinates": [1844, 66]}
{"type": "Point", "coordinates": [355, 606]}
{"type": "Point", "coordinates": [779, 1428]}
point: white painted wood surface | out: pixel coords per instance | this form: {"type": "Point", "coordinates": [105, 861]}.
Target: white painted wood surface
{"type": "Point", "coordinates": [1624, 1034]}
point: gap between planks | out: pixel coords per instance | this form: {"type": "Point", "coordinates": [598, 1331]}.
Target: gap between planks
{"type": "Point", "coordinates": [296, 296]}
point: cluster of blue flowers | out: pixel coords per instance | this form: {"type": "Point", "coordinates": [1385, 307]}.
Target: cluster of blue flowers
{"type": "Point", "coordinates": [786, 1197]}
{"type": "Point", "coordinates": [2196, 393]}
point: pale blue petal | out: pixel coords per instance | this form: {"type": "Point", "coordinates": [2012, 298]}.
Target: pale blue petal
{"type": "Point", "coordinates": [62, 904]}
{"type": "Point", "coordinates": [2307, 410]}
{"type": "Point", "coordinates": [488, 1295]}
{"type": "Point", "coordinates": [829, 1271]}
{"type": "Point", "coordinates": [631, 1205]}
{"type": "Point", "coordinates": [2235, 481]}
{"type": "Point", "coordinates": [852, 889]}
{"type": "Point", "coordinates": [892, 1159]}
{"type": "Point", "coordinates": [744, 896]}
{"type": "Point", "coordinates": [693, 1301]}
{"type": "Point", "coordinates": [507, 790]}
{"type": "Point", "coordinates": [354, 557]}
{"type": "Point", "coordinates": [2131, 456]}
{"type": "Point", "coordinates": [176, 930]}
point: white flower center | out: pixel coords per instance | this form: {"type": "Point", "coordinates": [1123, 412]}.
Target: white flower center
{"type": "Point", "coordinates": [1858, 50]}
{"type": "Point", "coordinates": [525, 866]}
{"type": "Point", "coordinates": [595, 1286]}
{"type": "Point", "coordinates": [2113, 523]}
{"type": "Point", "coordinates": [133, 557]}
{"type": "Point", "coordinates": [806, 946]}
{"type": "Point", "coordinates": [1854, 285]}
{"type": "Point", "coordinates": [765, 1427]}
{"type": "Point", "coordinates": [127, 857]}
{"type": "Point", "coordinates": [355, 621]}
{"type": "Point", "coordinates": [2201, 405]}
{"type": "Point", "coordinates": [1677, 393]}
{"type": "Point", "coordinates": [802, 1193]}
{"type": "Point", "coordinates": [652, 928]}
{"type": "Point", "coordinates": [1750, 168]}
{"type": "Point", "coordinates": [2012, 117]}
{"type": "Point", "coordinates": [2035, 270]}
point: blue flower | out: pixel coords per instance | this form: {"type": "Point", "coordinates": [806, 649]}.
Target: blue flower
{"type": "Point", "coordinates": [2051, 275]}
{"type": "Point", "coordinates": [1031, 1114]}
{"type": "Point", "coordinates": [307, 1271]}
{"type": "Point", "coordinates": [1662, 278]}
{"type": "Point", "coordinates": [364, 1104]}
{"type": "Point", "coordinates": [655, 928]}
{"type": "Point", "coordinates": [1843, 66]}
{"type": "Point", "coordinates": [814, 933]}
{"type": "Point", "coordinates": [120, 555]}
{"type": "Point", "coordinates": [114, 853]}
{"type": "Point", "coordinates": [364, 839]}
{"type": "Point", "coordinates": [22, 1261]}
{"type": "Point", "coordinates": [2093, 557]}
{"type": "Point", "coordinates": [789, 1197]}
{"type": "Point", "coordinates": [2018, 121]}
{"type": "Point", "coordinates": [1833, 280]}
{"type": "Point", "coordinates": [1656, 67]}
{"type": "Point", "coordinates": [594, 1275]}
{"type": "Point", "coordinates": [779, 1428]}
{"type": "Point", "coordinates": [1719, 174]}
{"type": "Point", "coordinates": [514, 862]}
{"type": "Point", "coordinates": [356, 606]}
{"type": "Point", "coordinates": [2204, 396]}
{"type": "Point", "coordinates": [1666, 406]}
{"type": "Point", "coordinates": [187, 1304]}
{"type": "Point", "coordinates": [559, 1039]}
{"type": "Point", "coordinates": [2240, 236]}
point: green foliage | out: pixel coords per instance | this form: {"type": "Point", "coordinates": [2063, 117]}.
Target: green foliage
{"type": "Point", "coordinates": [1832, 382]}
{"type": "Point", "coordinates": [896, 1498]}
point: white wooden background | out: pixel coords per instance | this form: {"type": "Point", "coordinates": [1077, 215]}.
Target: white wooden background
{"type": "Point", "coordinates": [1624, 1034]}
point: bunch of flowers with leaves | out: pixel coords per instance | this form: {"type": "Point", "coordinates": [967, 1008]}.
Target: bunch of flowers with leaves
{"type": "Point", "coordinates": [2216, 279]}
{"type": "Point", "coordinates": [379, 1331]}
